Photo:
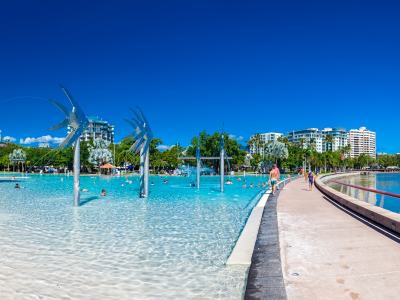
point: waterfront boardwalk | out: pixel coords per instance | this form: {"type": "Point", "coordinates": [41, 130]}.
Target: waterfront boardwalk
{"type": "Point", "coordinates": [336, 253]}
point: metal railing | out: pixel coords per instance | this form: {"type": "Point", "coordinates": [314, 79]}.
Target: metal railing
{"type": "Point", "coordinates": [368, 190]}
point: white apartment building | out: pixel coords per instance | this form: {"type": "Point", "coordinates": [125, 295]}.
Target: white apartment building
{"type": "Point", "coordinates": [96, 129]}
{"type": "Point", "coordinates": [295, 136]}
{"type": "Point", "coordinates": [339, 135]}
{"type": "Point", "coordinates": [362, 141]}
{"type": "Point", "coordinates": [266, 137]}
{"type": "Point", "coordinates": [340, 138]}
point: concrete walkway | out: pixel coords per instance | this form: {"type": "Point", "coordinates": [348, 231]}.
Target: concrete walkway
{"type": "Point", "coordinates": [336, 253]}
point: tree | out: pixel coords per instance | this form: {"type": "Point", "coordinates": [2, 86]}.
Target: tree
{"type": "Point", "coordinates": [18, 154]}
{"type": "Point", "coordinates": [312, 143]}
{"type": "Point", "coordinates": [302, 142]}
{"type": "Point", "coordinates": [209, 147]}
{"type": "Point", "coordinates": [276, 150]}
{"type": "Point", "coordinates": [329, 140]}
{"type": "Point", "coordinates": [99, 152]}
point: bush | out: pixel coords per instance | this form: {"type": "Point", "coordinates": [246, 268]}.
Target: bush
{"type": "Point", "coordinates": [249, 170]}
{"type": "Point", "coordinates": [161, 172]}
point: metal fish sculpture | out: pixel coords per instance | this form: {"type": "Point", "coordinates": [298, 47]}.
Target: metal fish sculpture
{"type": "Point", "coordinates": [76, 118]}
{"type": "Point", "coordinates": [142, 132]}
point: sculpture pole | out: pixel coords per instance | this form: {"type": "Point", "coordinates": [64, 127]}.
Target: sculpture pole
{"type": "Point", "coordinates": [77, 172]}
{"type": "Point", "coordinates": [198, 157]}
{"type": "Point", "coordinates": [146, 172]}
{"type": "Point", "coordinates": [221, 162]}
{"type": "Point", "coordinates": [198, 173]}
{"type": "Point", "coordinates": [141, 171]}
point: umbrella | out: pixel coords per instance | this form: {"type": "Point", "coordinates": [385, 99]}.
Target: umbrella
{"type": "Point", "coordinates": [107, 166]}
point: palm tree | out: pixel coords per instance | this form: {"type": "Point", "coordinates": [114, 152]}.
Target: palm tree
{"type": "Point", "coordinates": [284, 139]}
{"type": "Point", "coordinates": [329, 140]}
{"type": "Point", "coordinates": [19, 155]}
{"type": "Point", "coordinates": [302, 142]}
{"type": "Point", "coordinates": [312, 143]}
{"type": "Point", "coordinates": [276, 150]}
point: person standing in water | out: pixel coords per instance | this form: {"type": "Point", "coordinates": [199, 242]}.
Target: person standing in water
{"type": "Point", "coordinates": [273, 179]}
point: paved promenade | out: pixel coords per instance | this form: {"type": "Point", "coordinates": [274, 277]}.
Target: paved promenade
{"type": "Point", "coordinates": [336, 253]}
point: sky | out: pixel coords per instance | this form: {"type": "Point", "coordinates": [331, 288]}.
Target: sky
{"type": "Point", "coordinates": [258, 66]}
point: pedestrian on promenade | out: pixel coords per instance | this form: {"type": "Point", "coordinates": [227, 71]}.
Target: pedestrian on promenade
{"type": "Point", "coordinates": [305, 176]}
{"type": "Point", "coordinates": [273, 179]}
{"type": "Point", "coordinates": [310, 181]}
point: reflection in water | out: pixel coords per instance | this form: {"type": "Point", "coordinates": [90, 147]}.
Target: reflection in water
{"type": "Point", "coordinates": [383, 182]}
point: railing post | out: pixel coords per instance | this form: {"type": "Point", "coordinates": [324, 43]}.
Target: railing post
{"type": "Point", "coordinates": [348, 191]}
{"type": "Point", "coordinates": [356, 194]}
{"type": "Point", "coordinates": [341, 188]}
{"type": "Point", "coordinates": [382, 201]}
{"type": "Point", "coordinates": [366, 196]}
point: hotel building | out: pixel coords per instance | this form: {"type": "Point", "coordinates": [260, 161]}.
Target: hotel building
{"type": "Point", "coordinates": [339, 135]}
{"type": "Point", "coordinates": [265, 137]}
{"type": "Point", "coordinates": [97, 129]}
{"type": "Point", "coordinates": [362, 141]}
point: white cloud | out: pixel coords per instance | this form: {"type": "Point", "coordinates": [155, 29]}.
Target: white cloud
{"type": "Point", "coordinates": [42, 139]}
{"type": "Point", "coordinates": [233, 137]}
{"type": "Point", "coordinates": [6, 138]}
{"type": "Point", "coordinates": [163, 147]}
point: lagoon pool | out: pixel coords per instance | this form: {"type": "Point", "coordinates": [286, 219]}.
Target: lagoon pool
{"type": "Point", "coordinates": [172, 245]}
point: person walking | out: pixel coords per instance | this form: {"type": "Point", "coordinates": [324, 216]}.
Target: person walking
{"type": "Point", "coordinates": [305, 176]}
{"type": "Point", "coordinates": [273, 179]}
{"type": "Point", "coordinates": [310, 180]}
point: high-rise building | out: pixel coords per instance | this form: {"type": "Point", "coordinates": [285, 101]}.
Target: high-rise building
{"type": "Point", "coordinates": [307, 134]}
{"type": "Point", "coordinates": [339, 138]}
{"type": "Point", "coordinates": [265, 138]}
{"type": "Point", "coordinates": [97, 129]}
{"type": "Point", "coordinates": [362, 141]}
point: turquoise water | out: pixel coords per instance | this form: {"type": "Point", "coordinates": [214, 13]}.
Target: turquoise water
{"type": "Point", "coordinates": [172, 245]}
{"type": "Point", "coordinates": [388, 182]}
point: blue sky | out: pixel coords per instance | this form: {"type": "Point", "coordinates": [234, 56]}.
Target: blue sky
{"type": "Point", "coordinates": [259, 66]}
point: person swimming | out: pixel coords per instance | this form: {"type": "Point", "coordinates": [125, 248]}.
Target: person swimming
{"type": "Point", "coordinates": [252, 185]}
{"type": "Point", "coordinates": [84, 190]}
{"type": "Point", "coordinates": [239, 178]}
{"type": "Point", "coordinates": [258, 185]}
{"type": "Point", "coordinates": [17, 186]}
{"type": "Point", "coordinates": [142, 196]}
{"type": "Point", "coordinates": [62, 179]}
{"type": "Point", "coordinates": [152, 183]}
{"type": "Point", "coordinates": [122, 185]}
{"type": "Point", "coordinates": [244, 186]}
{"type": "Point", "coordinates": [192, 184]}
{"type": "Point", "coordinates": [103, 192]}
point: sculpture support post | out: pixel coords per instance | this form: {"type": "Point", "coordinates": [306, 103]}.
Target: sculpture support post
{"type": "Point", "coordinates": [141, 171]}
{"type": "Point", "coordinates": [146, 173]}
{"type": "Point", "coordinates": [198, 172]}
{"type": "Point", "coordinates": [77, 171]}
{"type": "Point", "coordinates": [221, 167]}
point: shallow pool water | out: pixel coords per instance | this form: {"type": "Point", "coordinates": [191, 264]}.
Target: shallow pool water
{"type": "Point", "coordinates": [172, 245]}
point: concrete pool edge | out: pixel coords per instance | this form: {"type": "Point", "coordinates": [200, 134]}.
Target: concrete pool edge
{"type": "Point", "coordinates": [243, 250]}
